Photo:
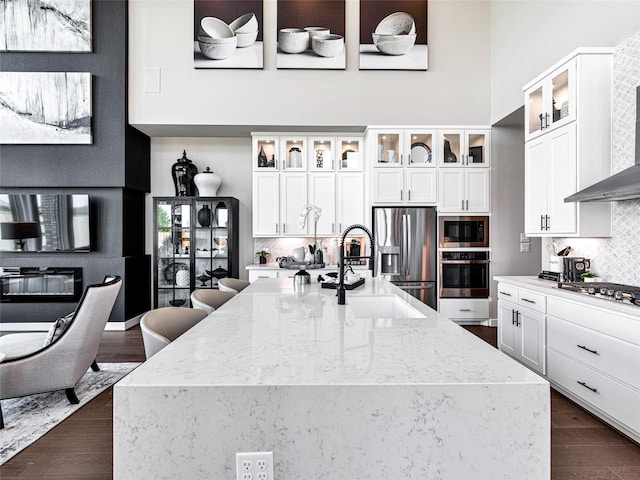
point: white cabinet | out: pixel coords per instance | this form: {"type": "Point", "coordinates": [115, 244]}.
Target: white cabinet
{"type": "Point", "coordinates": [293, 171]}
{"type": "Point", "coordinates": [568, 145]}
{"type": "Point", "coordinates": [404, 164]}
{"type": "Point", "coordinates": [322, 194]}
{"type": "Point", "coordinates": [266, 204]}
{"type": "Point", "coordinates": [593, 357]}
{"type": "Point", "coordinates": [293, 198]}
{"type": "Point", "coordinates": [550, 176]}
{"type": "Point", "coordinates": [351, 200]}
{"type": "Point", "coordinates": [521, 326]}
{"type": "Point", "coordinates": [550, 102]}
{"type": "Point", "coordinates": [464, 310]}
{"type": "Point", "coordinates": [463, 190]}
{"type": "Point", "coordinates": [469, 148]}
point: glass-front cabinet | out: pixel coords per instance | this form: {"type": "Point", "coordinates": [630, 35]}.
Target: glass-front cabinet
{"type": "Point", "coordinates": [550, 102]}
{"type": "Point", "coordinates": [196, 244]}
{"type": "Point", "coordinates": [464, 148]}
{"type": "Point", "coordinates": [266, 153]}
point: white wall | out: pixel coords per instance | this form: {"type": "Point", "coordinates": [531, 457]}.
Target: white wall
{"type": "Point", "coordinates": [527, 37]}
{"type": "Point", "coordinates": [455, 89]}
{"type": "Point", "coordinates": [229, 158]}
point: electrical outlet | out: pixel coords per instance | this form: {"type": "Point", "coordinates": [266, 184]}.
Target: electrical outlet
{"type": "Point", "coordinates": [524, 247]}
{"type": "Point", "coordinates": [524, 238]}
{"type": "Point", "coordinates": [254, 466]}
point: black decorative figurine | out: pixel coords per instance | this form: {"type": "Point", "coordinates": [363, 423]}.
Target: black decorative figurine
{"type": "Point", "coordinates": [183, 172]}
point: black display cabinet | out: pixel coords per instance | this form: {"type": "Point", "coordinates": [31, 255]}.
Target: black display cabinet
{"type": "Point", "coordinates": [195, 244]}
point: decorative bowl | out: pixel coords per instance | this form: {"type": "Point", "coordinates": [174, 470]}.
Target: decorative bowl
{"type": "Point", "coordinates": [293, 40]}
{"type": "Point", "coordinates": [246, 39]}
{"type": "Point", "coordinates": [218, 48]}
{"type": "Point", "coordinates": [313, 31]}
{"type": "Point", "coordinates": [394, 44]}
{"type": "Point", "coordinates": [246, 23]}
{"type": "Point", "coordinates": [328, 45]}
{"type": "Point", "coordinates": [398, 23]}
{"type": "Point", "coordinates": [215, 28]}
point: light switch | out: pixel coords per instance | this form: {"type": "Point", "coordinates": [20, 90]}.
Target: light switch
{"type": "Point", "coordinates": [524, 238]}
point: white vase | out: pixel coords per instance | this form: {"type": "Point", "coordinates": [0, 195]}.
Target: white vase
{"type": "Point", "coordinates": [208, 183]}
{"type": "Point", "coordinates": [182, 278]}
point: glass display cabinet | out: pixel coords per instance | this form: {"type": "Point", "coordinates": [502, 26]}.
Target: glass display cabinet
{"type": "Point", "coordinates": [195, 245]}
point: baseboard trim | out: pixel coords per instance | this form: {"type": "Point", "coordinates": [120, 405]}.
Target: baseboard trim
{"type": "Point", "coordinates": [44, 326]}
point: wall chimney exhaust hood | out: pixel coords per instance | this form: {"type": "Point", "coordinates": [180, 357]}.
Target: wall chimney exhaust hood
{"type": "Point", "coordinates": [624, 185]}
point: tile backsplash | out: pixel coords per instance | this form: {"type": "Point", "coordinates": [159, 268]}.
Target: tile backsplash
{"type": "Point", "coordinates": [616, 259]}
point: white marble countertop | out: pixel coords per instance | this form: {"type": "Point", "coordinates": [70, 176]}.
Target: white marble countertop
{"type": "Point", "coordinates": [549, 287]}
{"type": "Point", "coordinates": [270, 335]}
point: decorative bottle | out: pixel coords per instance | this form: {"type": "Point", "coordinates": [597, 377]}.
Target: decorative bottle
{"type": "Point", "coordinates": [262, 157]}
{"type": "Point", "coordinates": [183, 173]}
{"type": "Point", "coordinates": [204, 216]}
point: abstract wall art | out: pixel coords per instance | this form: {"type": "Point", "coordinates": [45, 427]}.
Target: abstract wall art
{"type": "Point", "coordinates": [45, 108]}
{"type": "Point", "coordinates": [45, 25]}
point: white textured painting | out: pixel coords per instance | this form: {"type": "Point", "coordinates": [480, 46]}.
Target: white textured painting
{"type": "Point", "coordinates": [45, 107]}
{"type": "Point", "coordinates": [45, 25]}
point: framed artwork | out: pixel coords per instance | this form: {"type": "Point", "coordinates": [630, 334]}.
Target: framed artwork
{"type": "Point", "coordinates": [393, 35]}
{"type": "Point", "coordinates": [45, 25]}
{"type": "Point", "coordinates": [228, 34]}
{"type": "Point", "coordinates": [311, 34]}
{"type": "Point", "coordinates": [45, 107]}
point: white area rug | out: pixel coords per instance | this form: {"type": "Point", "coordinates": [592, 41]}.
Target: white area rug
{"type": "Point", "coordinates": [28, 418]}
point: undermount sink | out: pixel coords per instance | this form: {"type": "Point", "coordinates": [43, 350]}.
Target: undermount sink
{"type": "Point", "coordinates": [381, 306]}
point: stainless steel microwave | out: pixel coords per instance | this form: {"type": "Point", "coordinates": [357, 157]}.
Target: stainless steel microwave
{"type": "Point", "coordinates": [464, 232]}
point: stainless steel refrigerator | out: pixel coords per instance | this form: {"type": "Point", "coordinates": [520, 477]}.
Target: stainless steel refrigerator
{"type": "Point", "coordinates": [406, 249]}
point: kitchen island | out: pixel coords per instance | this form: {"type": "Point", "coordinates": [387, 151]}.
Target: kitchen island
{"type": "Point", "coordinates": [334, 392]}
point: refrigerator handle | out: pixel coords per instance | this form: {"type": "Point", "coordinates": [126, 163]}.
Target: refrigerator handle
{"type": "Point", "coordinates": [409, 246]}
{"type": "Point", "coordinates": [404, 246]}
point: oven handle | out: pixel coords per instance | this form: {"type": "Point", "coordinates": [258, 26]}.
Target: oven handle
{"type": "Point", "coordinates": [464, 262]}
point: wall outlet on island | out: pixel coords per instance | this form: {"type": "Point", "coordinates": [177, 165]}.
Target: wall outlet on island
{"type": "Point", "coordinates": [254, 466]}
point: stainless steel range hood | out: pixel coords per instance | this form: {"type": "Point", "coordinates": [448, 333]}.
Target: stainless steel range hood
{"type": "Point", "coordinates": [624, 185]}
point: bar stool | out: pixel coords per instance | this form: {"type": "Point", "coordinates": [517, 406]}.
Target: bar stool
{"type": "Point", "coordinates": [210, 300]}
{"type": "Point", "coordinates": [234, 285]}
{"type": "Point", "coordinates": [163, 325]}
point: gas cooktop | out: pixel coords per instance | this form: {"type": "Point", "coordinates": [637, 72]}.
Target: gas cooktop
{"type": "Point", "coordinates": [609, 291]}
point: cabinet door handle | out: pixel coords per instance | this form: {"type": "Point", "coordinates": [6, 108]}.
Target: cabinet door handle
{"type": "Point", "coordinates": [461, 204]}
{"type": "Point", "coordinates": [400, 194]}
{"type": "Point", "coordinates": [595, 352]}
{"type": "Point", "coordinates": [284, 228]}
{"type": "Point", "coordinates": [467, 204]}
{"type": "Point", "coordinates": [546, 120]}
{"type": "Point", "coordinates": [333, 228]}
{"type": "Point", "coordinates": [594, 390]}
{"type": "Point", "coordinates": [277, 228]}
{"type": "Point", "coordinates": [409, 194]}
{"type": "Point", "coordinates": [527, 300]}
{"type": "Point", "coordinates": [505, 293]}
{"type": "Point", "coordinates": [548, 222]}
{"type": "Point", "coordinates": [541, 222]}
{"type": "Point", "coordinates": [517, 318]}
{"type": "Point", "coordinates": [283, 167]}
{"type": "Point", "coordinates": [513, 317]}
{"type": "Point", "coordinates": [465, 310]}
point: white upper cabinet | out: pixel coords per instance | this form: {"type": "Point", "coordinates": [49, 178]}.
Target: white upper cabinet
{"type": "Point", "coordinates": [322, 194]}
{"type": "Point", "coordinates": [322, 154]}
{"type": "Point", "coordinates": [568, 144]}
{"type": "Point", "coordinates": [266, 204]}
{"type": "Point", "coordinates": [463, 190]}
{"type": "Point", "coordinates": [351, 200]}
{"type": "Point", "coordinates": [464, 148]}
{"type": "Point", "coordinates": [293, 198]}
{"type": "Point", "coordinates": [350, 156]}
{"type": "Point", "coordinates": [551, 101]}
{"type": "Point", "coordinates": [265, 153]}
{"type": "Point", "coordinates": [293, 152]}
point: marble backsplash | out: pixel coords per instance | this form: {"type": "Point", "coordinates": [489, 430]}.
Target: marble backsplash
{"type": "Point", "coordinates": [616, 259]}
{"type": "Point", "coordinates": [283, 247]}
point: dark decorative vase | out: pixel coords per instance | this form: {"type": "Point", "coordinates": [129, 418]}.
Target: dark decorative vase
{"type": "Point", "coordinates": [318, 256]}
{"type": "Point", "coordinates": [262, 260]}
{"type": "Point", "coordinates": [262, 158]}
{"type": "Point", "coordinates": [449, 156]}
{"type": "Point", "coordinates": [183, 172]}
{"type": "Point", "coordinates": [204, 216]}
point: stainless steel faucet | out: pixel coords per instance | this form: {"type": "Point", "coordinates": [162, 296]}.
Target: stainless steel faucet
{"type": "Point", "coordinates": [341, 289]}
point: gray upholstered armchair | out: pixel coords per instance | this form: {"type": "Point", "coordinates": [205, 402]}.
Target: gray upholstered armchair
{"type": "Point", "coordinates": [31, 367]}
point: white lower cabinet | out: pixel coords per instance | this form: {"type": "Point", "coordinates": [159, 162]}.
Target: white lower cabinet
{"type": "Point", "coordinates": [521, 334]}
{"type": "Point", "coordinates": [592, 353]}
{"type": "Point", "coordinates": [262, 273]}
{"type": "Point", "coordinates": [465, 310]}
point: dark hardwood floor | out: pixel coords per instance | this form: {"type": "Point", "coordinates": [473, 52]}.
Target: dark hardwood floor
{"type": "Point", "coordinates": [81, 447]}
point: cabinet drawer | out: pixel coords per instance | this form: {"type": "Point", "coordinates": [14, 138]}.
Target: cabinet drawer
{"type": "Point", "coordinates": [507, 292]}
{"type": "Point", "coordinates": [614, 357]}
{"type": "Point", "coordinates": [256, 274]}
{"type": "Point", "coordinates": [611, 397]}
{"type": "Point", "coordinates": [601, 320]}
{"type": "Point", "coordinates": [477, 308]}
{"type": "Point", "coordinates": [533, 300]}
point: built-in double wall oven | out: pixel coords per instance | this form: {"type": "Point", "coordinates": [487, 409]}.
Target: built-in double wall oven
{"type": "Point", "coordinates": [464, 273]}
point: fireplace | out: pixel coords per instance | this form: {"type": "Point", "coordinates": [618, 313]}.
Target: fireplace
{"type": "Point", "coordinates": [44, 284]}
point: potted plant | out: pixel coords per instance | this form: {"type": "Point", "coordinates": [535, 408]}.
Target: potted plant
{"type": "Point", "coordinates": [588, 276]}
{"type": "Point", "coordinates": [262, 256]}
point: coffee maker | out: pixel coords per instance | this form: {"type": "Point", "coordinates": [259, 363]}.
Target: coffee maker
{"type": "Point", "coordinates": [574, 267]}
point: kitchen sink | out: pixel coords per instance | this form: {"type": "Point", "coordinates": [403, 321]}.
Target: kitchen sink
{"type": "Point", "coordinates": [381, 306]}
